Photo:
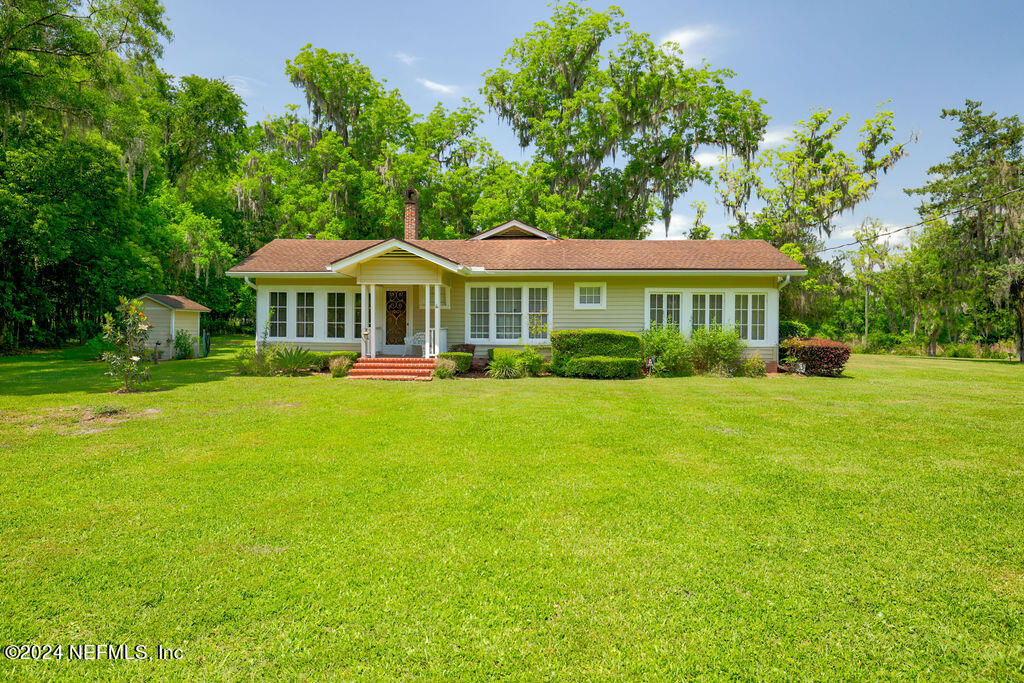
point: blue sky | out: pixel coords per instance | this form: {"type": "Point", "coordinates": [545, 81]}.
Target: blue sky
{"type": "Point", "coordinates": [922, 56]}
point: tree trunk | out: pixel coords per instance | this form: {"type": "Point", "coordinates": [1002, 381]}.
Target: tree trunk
{"type": "Point", "coordinates": [933, 339]}
{"type": "Point", "coordinates": [1020, 332]}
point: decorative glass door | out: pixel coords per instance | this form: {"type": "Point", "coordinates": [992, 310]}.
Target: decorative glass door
{"type": "Point", "coordinates": [395, 317]}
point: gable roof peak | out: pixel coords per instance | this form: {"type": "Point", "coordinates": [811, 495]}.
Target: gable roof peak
{"type": "Point", "coordinates": [514, 229]}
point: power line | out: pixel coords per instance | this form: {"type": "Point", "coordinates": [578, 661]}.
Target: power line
{"type": "Point", "coordinates": [920, 223]}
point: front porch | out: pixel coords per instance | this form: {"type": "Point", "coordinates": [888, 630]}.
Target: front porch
{"type": "Point", "coordinates": [402, 320]}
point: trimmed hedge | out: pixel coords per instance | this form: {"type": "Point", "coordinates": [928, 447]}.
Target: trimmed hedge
{"type": "Point", "coordinates": [822, 357]}
{"type": "Point", "coordinates": [568, 344]}
{"type": "Point", "coordinates": [602, 367]}
{"type": "Point", "coordinates": [462, 360]}
{"type": "Point", "coordinates": [494, 353]}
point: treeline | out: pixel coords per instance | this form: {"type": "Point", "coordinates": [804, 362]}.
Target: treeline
{"type": "Point", "coordinates": [117, 178]}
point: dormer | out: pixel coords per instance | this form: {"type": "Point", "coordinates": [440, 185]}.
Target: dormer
{"type": "Point", "coordinates": [514, 230]}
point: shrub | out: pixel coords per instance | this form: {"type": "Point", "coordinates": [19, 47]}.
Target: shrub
{"type": "Point", "coordinates": [444, 368]}
{"type": "Point", "coordinates": [959, 351]}
{"type": "Point", "coordinates": [715, 351]}
{"type": "Point", "coordinates": [126, 332]}
{"type": "Point", "coordinates": [320, 360]}
{"type": "Point", "coordinates": [461, 359]}
{"type": "Point", "coordinates": [793, 328]}
{"type": "Point", "coordinates": [339, 365]}
{"type": "Point", "coordinates": [495, 353]}
{"type": "Point", "coordinates": [602, 367]}
{"type": "Point", "coordinates": [820, 357]}
{"type": "Point", "coordinates": [566, 344]}
{"type": "Point", "coordinates": [666, 351]}
{"type": "Point", "coordinates": [184, 344]}
{"type": "Point", "coordinates": [532, 361]}
{"type": "Point", "coordinates": [752, 367]}
{"type": "Point", "coordinates": [290, 360]}
{"type": "Point", "coordinates": [252, 362]}
{"type": "Point", "coordinates": [505, 366]}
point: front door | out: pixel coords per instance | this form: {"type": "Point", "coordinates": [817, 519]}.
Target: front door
{"type": "Point", "coordinates": [395, 317]}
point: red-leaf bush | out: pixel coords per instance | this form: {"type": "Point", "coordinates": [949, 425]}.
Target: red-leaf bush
{"type": "Point", "coordinates": [822, 357]}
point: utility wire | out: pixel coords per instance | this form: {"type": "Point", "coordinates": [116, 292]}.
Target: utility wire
{"type": "Point", "coordinates": [920, 223]}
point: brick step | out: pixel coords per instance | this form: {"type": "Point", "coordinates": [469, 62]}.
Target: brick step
{"type": "Point", "coordinates": [400, 378]}
{"type": "Point", "coordinates": [397, 359]}
{"type": "Point", "coordinates": [402, 364]}
{"type": "Point", "coordinates": [360, 372]}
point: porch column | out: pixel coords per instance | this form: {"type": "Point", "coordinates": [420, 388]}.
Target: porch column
{"type": "Point", "coordinates": [373, 322]}
{"type": "Point", "coordinates": [437, 319]}
{"type": "Point", "coordinates": [362, 322]}
{"type": "Point", "coordinates": [426, 321]}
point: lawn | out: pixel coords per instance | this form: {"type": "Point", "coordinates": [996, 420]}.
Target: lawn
{"type": "Point", "coordinates": [862, 527]}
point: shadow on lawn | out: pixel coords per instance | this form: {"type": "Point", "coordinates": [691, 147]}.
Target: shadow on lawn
{"type": "Point", "coordinates": [62, 371]}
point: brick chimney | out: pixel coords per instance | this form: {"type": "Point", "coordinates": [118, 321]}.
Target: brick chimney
{"type": "Point", "coordinates": [412, 214]}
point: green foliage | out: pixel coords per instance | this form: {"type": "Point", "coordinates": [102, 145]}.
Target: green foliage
{"type": "Point", "coordinates": [602, 367]}
{"type": "Point", "coordinates": [793, 328]}
{"type": "Point", "coordinates": [715, 351]}
{"type": "Point", "coordinates": [614, 133]}
{"type": "Point", "coordinates": [506, 366]}
{"type": "Point", "coordinates": [291, 360]}
{"type": "Point", "coordinates": [532, 361]}
{"type": "Point", "coordinates": [97, 346]}
{"type": "Point", "coordinates": [444, 368]}
{"type": "Point", "coordinates": [462, 360]}
{"type": "Point", "coordinates": [493, 353]}
{"type": "Point", "coordinates": [126, 331]}
{"type": "Point", "coordinates": [339, 365]}
{"type": "Point", "coordinates": [959, 351]}
{"type": "Point", "coordinates": [319, 361]}
{"type": "Point", "coordinates": [752, 367]}
{"type": "Point", "coordinates": [667, 351]}
{"type": "Point", "coordinates": [566, 344]}
{"type": "Point", "coordinates": [254, 362]}
{"type": "Point", "coordinates": [184, 344]}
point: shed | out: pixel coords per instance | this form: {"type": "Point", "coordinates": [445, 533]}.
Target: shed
{"type": "Point", "coordinates": [168, 313]}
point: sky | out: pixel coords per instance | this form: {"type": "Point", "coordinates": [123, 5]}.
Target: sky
{"type": "Point", "coordinates": [917, 57]}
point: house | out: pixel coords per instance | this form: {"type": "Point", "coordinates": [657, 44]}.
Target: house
{"type": "Point", "coordinates": [168, 313]}
{"type": "Point", "coordinates": [508, 286]}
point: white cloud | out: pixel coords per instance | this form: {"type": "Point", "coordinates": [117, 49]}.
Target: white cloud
{"type": "Point", "coordinates": [244, 85]}
{"type": "Point", "coordinates": [775, 137]}
{"type": "Point", "coordinates": [708, 158]}
{"type": "Point", "coordinates": [406, 59]}
{"type": "Point", "coordinates": [438, 87]}
{"type": "Point", "coordinates": [693, 40]}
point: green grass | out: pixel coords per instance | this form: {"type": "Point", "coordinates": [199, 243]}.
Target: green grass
{"type": "Point", "coordinates": [862, 527]}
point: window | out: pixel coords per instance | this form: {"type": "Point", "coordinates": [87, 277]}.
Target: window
{"type": "Point", "coordinates": [278, 314]}
{"type": "Point", "coordinates": [304, 314]}
{"type": "Point", "coordinates": [750, 316]}
{"type": "Point", "coordinates": [707, 310]}
{"type": "Point", "coordinates": [538, 320]}
{"type": "Point", "coordinates": [444, 297]}
{"type": "Point", "coordinates": [508, 304]}
{"type": "Point", "coordinates": [336, 314]}
{"type": "Point", "coordinates": [664, 309]}
{"type": "Point", "coordinates": [479, 313]}
{"type": "Point", "coordinates": [357, 315]}
{"type": "Point", "coordinates": [590, 295]}
{"type": "Point", "coordinates": [502, 313]}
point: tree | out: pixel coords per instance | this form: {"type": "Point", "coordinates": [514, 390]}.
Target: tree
{"type": "Point", "coordinates": [984, 176]}
{"type": "Point", "coordinates": [793, 195]}
{"type": "Point", "coordinates": [869, 260]}
{"type": "Point", "coordinates": [127, 332]}
{"type": "Point", "coordinates": [618, 133]}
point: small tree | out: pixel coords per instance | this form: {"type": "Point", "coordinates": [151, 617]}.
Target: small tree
{"type": "Point", "coordinates": [126, 331]}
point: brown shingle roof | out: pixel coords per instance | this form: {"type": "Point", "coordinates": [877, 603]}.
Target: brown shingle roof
{"type": "Point", "coordinates": [298, 256]}
{"type": "Point", "coordinates": [178, 303]}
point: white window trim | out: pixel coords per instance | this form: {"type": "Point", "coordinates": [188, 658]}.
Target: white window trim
{"type": "Point", "coordinates": [446, 297]}
{"type": "Point", "coordinates": [771, 309]}
{"type": "Point", "coordinates": [750, 325]}
{"type": "Point", "coordinates": [492, 318]}
{"type": "Point", "coordinates": [352, 336]}
{"type": "Point", "coordinates": [592, 307]}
